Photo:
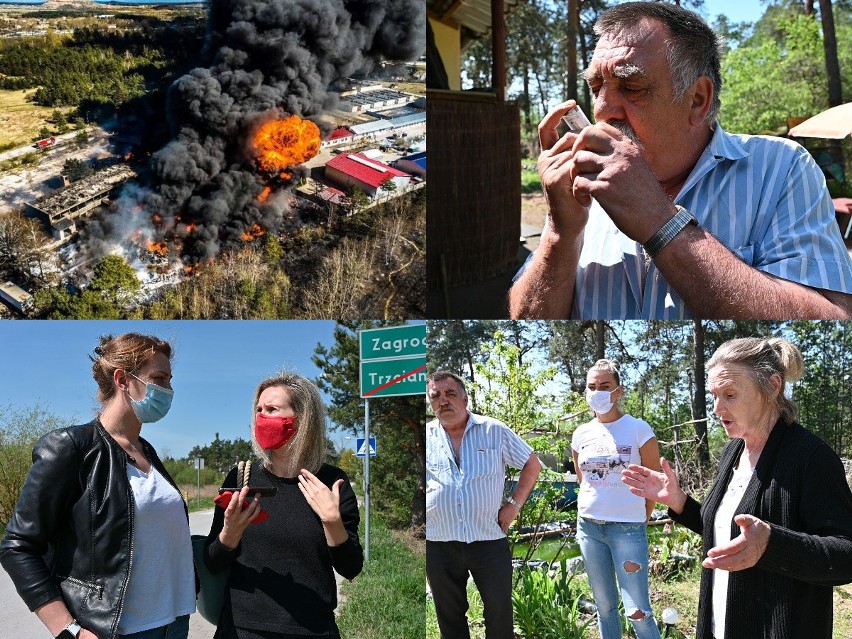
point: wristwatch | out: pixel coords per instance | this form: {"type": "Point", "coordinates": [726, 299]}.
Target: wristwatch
{"type": "Point", "coordinates": [71, 631]}
{"type": "Point", "coordinates": [512, 501]}
{"type": "Point", "coordinates": [668, 231]}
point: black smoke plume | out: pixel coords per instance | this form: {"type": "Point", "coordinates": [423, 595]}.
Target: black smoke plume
{"type": "Point", "coordinates": [267, 58]}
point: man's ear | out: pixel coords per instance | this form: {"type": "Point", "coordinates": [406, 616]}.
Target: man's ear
{"type": "Point", "coordinates": [700, 100]}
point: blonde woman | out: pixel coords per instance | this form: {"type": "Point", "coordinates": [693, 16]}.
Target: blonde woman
{"type": "Point", "coordinates": [282, 583]}
{"type": "Point", "coordinates": [777, 522]}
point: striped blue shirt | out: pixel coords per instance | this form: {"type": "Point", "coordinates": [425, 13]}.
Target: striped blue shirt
{"type": "Point", "coordinates": [462, 501]}
{"type": "Point", "coordinates": [764, 198]}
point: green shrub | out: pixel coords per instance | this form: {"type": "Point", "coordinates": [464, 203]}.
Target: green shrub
{"type": "Point", "coordinates": [547, 606]}
{"type": "Point", "coordinates": [20, 429]}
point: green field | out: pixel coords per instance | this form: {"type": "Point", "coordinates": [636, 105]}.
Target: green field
{"type": "Point", "coordinates": [20, 120]}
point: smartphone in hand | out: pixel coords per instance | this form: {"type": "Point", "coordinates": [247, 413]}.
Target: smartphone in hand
{"type": "Point", "coordinates": [264, 491]}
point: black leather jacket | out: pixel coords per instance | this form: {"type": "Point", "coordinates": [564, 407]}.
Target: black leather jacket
{"type": "Point", "coordinates": [72, 531]}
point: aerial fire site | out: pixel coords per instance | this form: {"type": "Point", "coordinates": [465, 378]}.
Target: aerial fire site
{"type": "Point", "coordinates": [291, 113]}
{"type": "Point", "coordinates": [245, 125]}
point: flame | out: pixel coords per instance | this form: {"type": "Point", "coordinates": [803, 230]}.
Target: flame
{"type": "Point", "coordinates": [157, 218]}
{"type": "Point", "coordinates": [279, 144]}
{"type": "Point", "coordinates": [157, 247]}
{"type": "Point", "coordinates": [253, 233]}
{"type": "Point", "coordinates": [264, 194]}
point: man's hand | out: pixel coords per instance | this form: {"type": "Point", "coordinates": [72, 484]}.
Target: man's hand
{"type": "Point", "coordinates": [506, 515]}
{"type": "Point", "coordinates": [568, 216]}
{"type": "Point", "coordinates": [745, 550]}
{"type": "Point", "coordinates": [607, 165]}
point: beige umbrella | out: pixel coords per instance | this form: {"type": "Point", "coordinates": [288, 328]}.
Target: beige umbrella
{"type": "Point", "coordinates": [836, 123]}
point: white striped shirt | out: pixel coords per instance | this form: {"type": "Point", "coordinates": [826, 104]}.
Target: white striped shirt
{"type": "Point", "coordinates": [764, 198]}
{"type": "Point", "coordinates": [462, 502]}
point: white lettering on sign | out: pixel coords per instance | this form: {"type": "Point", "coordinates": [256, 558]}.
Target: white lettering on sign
{"type": "Point", "coordinates": [377, 380]}
{"type": "Point", "coordinates": [397, 345]}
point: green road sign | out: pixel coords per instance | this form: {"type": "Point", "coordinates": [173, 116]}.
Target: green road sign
{"type": "Point", "coordinates": [393, 361]}
{"type": "Point", "coordinates": [392, 378]}
{"type": "Point", "coordinates": [393, 342]}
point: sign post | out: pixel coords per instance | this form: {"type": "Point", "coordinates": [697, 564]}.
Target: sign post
{"type": "Point", "coordinates": [393, 364]}
{"type": "Point", "coordinates": [199, 466]}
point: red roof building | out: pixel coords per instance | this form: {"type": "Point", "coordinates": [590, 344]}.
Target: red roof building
{"type": "Point", "coordinates": [355, 169]}
{"type": "Point", "coordinates": [339, 135]}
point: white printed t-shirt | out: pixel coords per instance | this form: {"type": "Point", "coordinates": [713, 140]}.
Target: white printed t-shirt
{"type": "Point", "coordinates": [603, 451]}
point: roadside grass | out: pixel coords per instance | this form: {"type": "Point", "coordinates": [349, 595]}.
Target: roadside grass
{"type": "Point", "coordinates": [530, 181]}
{"type": "Point", "coordinates": [205, 503]}
{"type": "Point", "coordinates": [386, 599]}
{"type": "Point", "coordinates": [20, 120]}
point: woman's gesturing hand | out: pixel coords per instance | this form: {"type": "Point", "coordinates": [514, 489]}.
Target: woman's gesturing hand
{"type": "Point", "coordinates": [662, 486]}
{"type": "Point", "coordinates": [324, 502]}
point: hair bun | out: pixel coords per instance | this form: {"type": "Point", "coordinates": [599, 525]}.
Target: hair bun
{"type": "Point", "coordinates": [790, 357]}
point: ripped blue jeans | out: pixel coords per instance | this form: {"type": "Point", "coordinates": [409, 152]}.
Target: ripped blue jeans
{"type": "Point", "coordinates": [618, 551]}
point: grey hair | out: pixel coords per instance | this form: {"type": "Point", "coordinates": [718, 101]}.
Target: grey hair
{"type": "Point", "coordinates": [693, 50]}
{"type": "Point", "coordinates": [610, 366]}
{"type": "Point", "coordinates": [764, 358]}
{"type": "Point", "coordinates": [307, 447]}
{"type": "Point", "coordinates": [439, 376]}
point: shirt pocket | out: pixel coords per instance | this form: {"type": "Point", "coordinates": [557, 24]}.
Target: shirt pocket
{"type": "Point", "coordinates": [486, 463]}
{"type": "Point", "coordinates": [438, 476]}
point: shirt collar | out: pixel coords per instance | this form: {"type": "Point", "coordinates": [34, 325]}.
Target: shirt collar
{"type": "Point", "coordinates": [723, 146]}
{"type": "Point", "coordinates": [471, 420]}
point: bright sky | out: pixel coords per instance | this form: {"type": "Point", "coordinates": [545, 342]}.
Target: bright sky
{"type": "Point", "coordinates": [735, 10]}
{"type": "Point", "coordinates": [216, 367]}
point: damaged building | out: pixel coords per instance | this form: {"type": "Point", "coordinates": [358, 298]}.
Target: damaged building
{"type": "Point", "coordinates": [60, 210]}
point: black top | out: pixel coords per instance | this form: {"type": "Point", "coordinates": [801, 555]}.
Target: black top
{"type": "Point", "coordinates": [282, 577]}
{"type": "Point", "coordinates": [799, 488]}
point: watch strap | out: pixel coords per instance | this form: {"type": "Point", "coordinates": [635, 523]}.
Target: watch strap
{"type": "Point", "coordinates": [668, 231]}
{"type": "Point", "coordinates": [71, 631]}
{"type": "Point", "coordinates": [516, 504]}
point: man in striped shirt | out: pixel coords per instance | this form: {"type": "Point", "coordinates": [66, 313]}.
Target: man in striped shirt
{"type": "Point", "coordinates": [657, 213]}
{"type": "Point", "coordinates": [466, 519]}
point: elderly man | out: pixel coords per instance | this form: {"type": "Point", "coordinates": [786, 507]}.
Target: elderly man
{"type": "Point", "coordinates": [466, 518]}
{"type": "Point", "coordinates": [656, 212]}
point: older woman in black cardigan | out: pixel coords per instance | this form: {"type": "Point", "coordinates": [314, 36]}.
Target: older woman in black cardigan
{"type": "Point", "coordinates": [777, 523]}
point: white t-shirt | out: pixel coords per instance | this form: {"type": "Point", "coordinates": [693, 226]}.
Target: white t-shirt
{"type": "Point", "coordinates": [603, 451]}
{"type": "Point", "coordinates": [722, 535]}
{"type": "Point", "coordinates": [162, 579]}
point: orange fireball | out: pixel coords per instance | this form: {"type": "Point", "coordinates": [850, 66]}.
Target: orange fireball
{"type": "Point", "coordinates": [279, 144]}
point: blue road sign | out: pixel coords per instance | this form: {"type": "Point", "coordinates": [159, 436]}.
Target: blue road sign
{"type": "Point", "coordinates": [361, 449]}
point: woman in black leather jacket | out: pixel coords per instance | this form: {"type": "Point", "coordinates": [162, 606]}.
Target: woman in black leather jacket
{"type": "Point", "coordinates": [99, 546]}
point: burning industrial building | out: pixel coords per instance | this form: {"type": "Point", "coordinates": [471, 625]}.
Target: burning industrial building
{"type": "Point", "coordinates": [244, 124]}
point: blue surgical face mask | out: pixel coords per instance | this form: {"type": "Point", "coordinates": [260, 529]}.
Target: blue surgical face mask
{"type": "Point", "coordinates": [156, 403]}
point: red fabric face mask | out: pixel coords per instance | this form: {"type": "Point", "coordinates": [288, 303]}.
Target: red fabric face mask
{"type": "Point", "coordinates": [273, 432]}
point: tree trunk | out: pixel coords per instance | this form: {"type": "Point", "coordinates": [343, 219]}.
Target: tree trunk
{"type": "Point", "coordinates": [832, 66]}
{"type": "Point", "coordinates": [418, 504]}
{"type": "Point", "coordinates": [600, 342]}
{"type": "Point", "coordinates": [527, 105]}
{"type": "Point", "coordinates": [808, 7]}
{"type": "Point", "coordinates": [584, 52]}
{"type": "Point", "coordinates": [832, 69]}
{"type": "Point", "coordinates": [699, 407]}
{"type": "Point", "coordinates": [571, 50]}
